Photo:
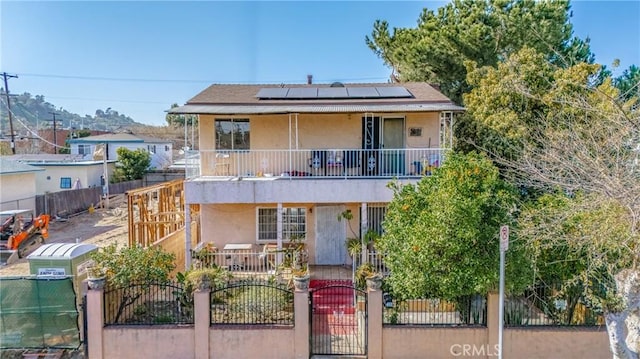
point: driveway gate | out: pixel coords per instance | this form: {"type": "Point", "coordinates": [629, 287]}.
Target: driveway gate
{"type": "Point", "coordinates": [338, 320]}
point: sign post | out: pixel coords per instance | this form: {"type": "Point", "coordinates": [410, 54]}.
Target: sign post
{"type": "Point", "coordinates": [504, 245]}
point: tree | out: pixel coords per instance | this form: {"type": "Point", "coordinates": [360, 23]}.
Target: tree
{"type": "Point", "coordinates": [441, 236]}
{"type": "Point", "coordinates": [132, 165]}
{"type": "Point", "coordinates": [133, 270]}
{"type": "Point", "coordinates": [181, 119]}
{"type": "Point", "coordinates": [582, 148]}
{"type": "Point", "coordinates": [486, 32]}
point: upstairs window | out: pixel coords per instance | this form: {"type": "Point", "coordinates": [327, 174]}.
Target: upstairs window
{"type": "Point", "coordinates": [84, 149]}
{"type": "Point", "coordinates": [232, 134]}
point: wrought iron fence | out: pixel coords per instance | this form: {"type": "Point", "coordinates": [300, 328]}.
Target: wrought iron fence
{"type": "Point", "coordinates": [469, 310]}
{"type": "Point", "coordinates": [551, 305]}
{"type": "Point", "coordinates": [148, 304]}
{"type": "Point", "coordinates": [252, 302]}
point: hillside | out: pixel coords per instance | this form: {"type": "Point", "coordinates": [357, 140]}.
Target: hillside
{"type": "Point", "coordinates": [35, 112]}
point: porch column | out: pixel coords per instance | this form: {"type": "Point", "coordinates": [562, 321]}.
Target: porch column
{"type": "Point", "coordinates": [187, 236]}
{"type": "Point", "coordinates": [363, 229]}
{"type": "Point", "coordinates": [374, 323]}
{"type": "Point", "coordinates": [95, 322]}
{"type": "Point", "coordinates": [279, 234]}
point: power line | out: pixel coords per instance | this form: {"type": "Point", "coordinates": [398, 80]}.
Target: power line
{"type": "Point", "coordinates": [6, 92]}
{"type": "Point", "coordinates": [129, 79]}
{"type": "Point", "coordinates": [34, 133]}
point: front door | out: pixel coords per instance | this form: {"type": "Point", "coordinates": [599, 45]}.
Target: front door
{"type": "Point", "coordinates": [393, 146]}
{"type": "Point", "coordinates": [330, 236]}
{"type": "Point", "coordinates": [383, 145]}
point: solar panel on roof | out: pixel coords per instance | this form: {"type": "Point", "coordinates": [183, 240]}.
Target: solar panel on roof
{"type": "Point", "coordinates": [272, 92]}
{"type": "Point", "coordinates": [393, 91]}
{"type": "Point", "coordinates": [362, 92]}
{"type": "Point", "coordinates": [332, 92]}
{"type": "Point", "coordinates": [303, 92]}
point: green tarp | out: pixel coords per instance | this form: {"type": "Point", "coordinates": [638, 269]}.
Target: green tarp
{"type": "Point", "coordinates": [38, 313]}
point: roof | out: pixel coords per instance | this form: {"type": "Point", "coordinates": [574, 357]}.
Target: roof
{"type": "Point", "coordinates": [8, 166]}
{"type": "Point", "coordinates": [118, 137]}
{"type": "Point", "coordinates": [61, 250]}
{"type": "Point", "coordinates": [244, 99]}
{"type": "Point", "coordinates": [46, 160]}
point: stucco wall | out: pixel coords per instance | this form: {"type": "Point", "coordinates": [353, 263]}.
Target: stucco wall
{"type": "Point", "coordinates": [550, 343]}
{"type": "Point", "coordinates": [419, 342]}
{"type": "Point", "coordinates": [236, 223]}
{"type": "Point", "coordinates": [17, 191]}
{"type": "Point", "coordinates": [89, 175]}
{"type": "Point", "coordinates": [322, 131]}
{"type": "Point", "coordinates": [147, 342]}
{"type": "Point", "coordinates": [251, 342]}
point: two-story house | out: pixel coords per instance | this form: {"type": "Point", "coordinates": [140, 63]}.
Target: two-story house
{"type": "Point", "coordinates": [284, 161]}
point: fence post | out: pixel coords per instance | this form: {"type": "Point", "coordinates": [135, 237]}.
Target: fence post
{"type": "Point", "coordinates": [202, 321]}
{"type": "Point", "coordinates": [374, 323]}
{"type": "Point", "coordinates": [493, 303]}
{"type": "Point", "coordinates": [301, 323]}
{"type": "Point", "coordinates": [95, 322]}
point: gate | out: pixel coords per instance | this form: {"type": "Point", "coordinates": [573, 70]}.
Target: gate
{"type": "Point", "coordinates": [338, 316]}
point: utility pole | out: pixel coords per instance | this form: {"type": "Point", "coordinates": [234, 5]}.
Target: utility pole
{"type": "Point", "coordinates": [55, 142]}
{"type": "Point", "coordinates": [6, 92]}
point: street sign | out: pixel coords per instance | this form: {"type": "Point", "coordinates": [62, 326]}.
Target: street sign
{"type": "Point", "coordinates": [504, 238]}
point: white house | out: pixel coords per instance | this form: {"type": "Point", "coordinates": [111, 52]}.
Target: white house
{"type": "Point", "coordinates": [17, 185]}
{"type": "Point", "coordinates": [65, 172]}
{"type": "Point", "coordinates": [161, 150]}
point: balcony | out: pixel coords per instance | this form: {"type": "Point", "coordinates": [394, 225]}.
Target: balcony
{"type": "Point", "coordinates": [313, 163]}
{"type": "Point", "coordinates": [329, 176]}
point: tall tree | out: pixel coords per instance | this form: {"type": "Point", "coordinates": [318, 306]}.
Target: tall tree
{"type": "Point", "coordinates": [583, 140]}
{"type": "Point", "coordinates": [441, 236]}
{"type": "Point", "coordinates": [486, 32]}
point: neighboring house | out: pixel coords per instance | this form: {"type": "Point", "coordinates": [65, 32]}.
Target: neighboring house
{"type": "Point", "coordinates": [161, 150]}
{"type": "Point", "coordinates": [65, 172]}
{"type": "Point", "coordinates": [17, 185]}
{"type": "Point", "coordinates": [283, 161]}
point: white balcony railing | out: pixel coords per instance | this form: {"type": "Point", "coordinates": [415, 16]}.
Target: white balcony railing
{"type": "Point", "coordinates": [331, 163]}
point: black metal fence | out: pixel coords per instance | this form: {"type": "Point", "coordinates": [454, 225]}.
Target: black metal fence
{"type": "Point", "coordinates": [252, 302]}
{"type": "Point", "coordinates": [551, 305]}
{"type": "Point", "coordinates": [468, 310]}
{"type": "Point", "coordinates": [148, 304]}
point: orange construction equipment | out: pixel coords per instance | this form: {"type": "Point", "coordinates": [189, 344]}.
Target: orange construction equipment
{"type": "Point", "coordinates": [19, 232]}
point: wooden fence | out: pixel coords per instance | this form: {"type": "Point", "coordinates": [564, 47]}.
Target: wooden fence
{"type": "Point", "coordinates": [69, 202]}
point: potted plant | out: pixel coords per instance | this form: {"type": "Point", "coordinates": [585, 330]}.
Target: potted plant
{"type": "Point", "coordinates": [366, 275]}
{"type": "Point", "coordinates": [301, 277]}
{"type": "Point", "coordinates": [96, 276]}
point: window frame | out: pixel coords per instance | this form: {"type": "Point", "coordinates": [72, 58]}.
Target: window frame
{"type": "Point", "coordinates": [233, 146]}
{"type": "Point", "coordinates": [289, 219]}
{"type": "Point", "coordinates": [65, 182]}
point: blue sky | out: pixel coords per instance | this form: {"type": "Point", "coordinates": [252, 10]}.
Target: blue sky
{"type": "Point", "coordinates": [139, 57]}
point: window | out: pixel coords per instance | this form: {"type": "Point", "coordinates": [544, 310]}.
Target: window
{"type": "Point", "coordinates": [84, 149]}
{"type": "Point", "coordinates": [294, 223]}
{"type": "Point", "coordinates": [375, 217]}
{"type": "Point", "coordinates": [166, 148]}
{"type": "Point", "coordinates": [65, 182]}
{"type": "Point", "coordinates": [232, 134]}
{"type": "Point", "coordinates": [151, 148]}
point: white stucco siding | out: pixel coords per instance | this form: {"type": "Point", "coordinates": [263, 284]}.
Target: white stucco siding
{"type": "Point", "coordinates": [17, 191]}
{"type": "Point", "coordinates": [89, 175]}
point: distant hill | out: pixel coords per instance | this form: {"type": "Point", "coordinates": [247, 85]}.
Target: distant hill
{"type": "Point", "coordinates": [35, 111]}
